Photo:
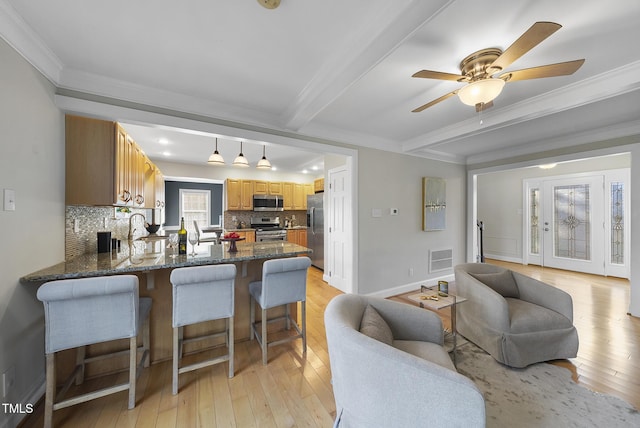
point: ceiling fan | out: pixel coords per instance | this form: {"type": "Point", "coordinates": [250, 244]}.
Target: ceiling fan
{"type": "Point", "coordinates": [479, 68]}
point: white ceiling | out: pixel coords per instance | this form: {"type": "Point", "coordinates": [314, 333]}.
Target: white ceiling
{"type": "Point", "coordinates": [341, 70]}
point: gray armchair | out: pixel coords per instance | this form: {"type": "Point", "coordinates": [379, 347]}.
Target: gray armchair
{"type": "Point", "coordinates": [408, 381]}
{"type": "Point", "coordinates": [517, 319]}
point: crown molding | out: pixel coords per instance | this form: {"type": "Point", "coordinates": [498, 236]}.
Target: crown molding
{"type": "Point", "coordinates": [21, 37]}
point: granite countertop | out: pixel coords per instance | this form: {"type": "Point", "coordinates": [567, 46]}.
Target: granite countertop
{"type": "Point", "coordinates": [141, 256]}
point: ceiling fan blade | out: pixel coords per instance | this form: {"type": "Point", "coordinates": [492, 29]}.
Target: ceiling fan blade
{"type": "Point", "coordinates": [551, 70]}
{"type": "Point", "coordinates": [530, 39]}
{"type": "Point", "coordinates": [428, 74]}
{"type": "Point", "coordinates": [434, 102]}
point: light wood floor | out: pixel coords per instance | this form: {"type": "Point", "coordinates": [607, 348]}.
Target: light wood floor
{"type": "Point", "coordinates": [291, 391]}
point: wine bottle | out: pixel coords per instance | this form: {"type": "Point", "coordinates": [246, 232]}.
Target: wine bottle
{"type": "Point", "coordinates": [182, 238]}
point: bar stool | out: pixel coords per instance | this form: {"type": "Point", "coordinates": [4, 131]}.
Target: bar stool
{"type": "Point", "coordinates": [81, 312]}
{"type": "Point", "coordinates": [284, 281]}
{"type": "Point", "coordinates": [202, 293]}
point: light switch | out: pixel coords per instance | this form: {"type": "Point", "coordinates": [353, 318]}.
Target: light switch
{"type": "Point", "coordinates": [9, 200]}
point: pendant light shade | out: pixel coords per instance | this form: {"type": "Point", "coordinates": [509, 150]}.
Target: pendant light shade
{"type": "Point", "coordinates": [240, 160]}
{"type": "Point", "coordinates": [264, 162]}
{"type": "Point", "coordinates": [216, 158]}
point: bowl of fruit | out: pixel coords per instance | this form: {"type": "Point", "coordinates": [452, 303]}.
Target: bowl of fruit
{"type": "Point", "coordinates": [232, 237]}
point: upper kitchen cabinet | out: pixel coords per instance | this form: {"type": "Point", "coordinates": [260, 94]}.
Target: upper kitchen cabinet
{"type": "Point", "coordinates": [104, 166]}
{"type": "Point", "coordinates": [318, 185]}
{"type": "Point", "coordinates": [239, 194]}
{"type": "Point", "coordinates": [153, 186]}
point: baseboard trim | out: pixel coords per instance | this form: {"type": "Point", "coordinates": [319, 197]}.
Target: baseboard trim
{"type": "Point", "coordinates": [32, 397]}
{"type": "Point", "coordinates": [401, 289]}
{"type": "Point", "coordinates": [504, 258]}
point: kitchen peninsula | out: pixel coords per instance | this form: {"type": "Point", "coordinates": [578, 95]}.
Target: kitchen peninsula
{"type": "Point", "coordinates": [152, 263]}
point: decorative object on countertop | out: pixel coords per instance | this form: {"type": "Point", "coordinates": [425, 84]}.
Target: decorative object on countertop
{"type": "Point", "coordinates": [434, 204]}
{"type": "Point", "coordinates": [104, 242]}
{"type": "Point", "coordinates": [231, 238]}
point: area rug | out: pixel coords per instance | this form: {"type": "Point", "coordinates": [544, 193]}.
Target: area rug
{"type": "Point", "coordinates": [541, 395]}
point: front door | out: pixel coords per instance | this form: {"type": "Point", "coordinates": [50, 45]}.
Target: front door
{"type": "Point", "coordinates": [573, 234]}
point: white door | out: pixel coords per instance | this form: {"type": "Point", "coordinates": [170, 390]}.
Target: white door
{"type": "Point", "coordinates": [573, 232]}
{"type": "Point", "coordinates": [338, 220]}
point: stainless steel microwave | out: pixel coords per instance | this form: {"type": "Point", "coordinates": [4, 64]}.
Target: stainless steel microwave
{"type": "Point", "coordinates": [268, 203]}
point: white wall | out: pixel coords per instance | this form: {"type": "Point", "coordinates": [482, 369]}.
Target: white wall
{"type": "Point", "coordinates": [32, 164]}
{"type": "Point", "coordinates": [389, 246]}
{"type": "Point", "coordinates": [500, 201]}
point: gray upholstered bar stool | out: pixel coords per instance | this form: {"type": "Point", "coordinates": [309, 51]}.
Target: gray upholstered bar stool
{"type": "Point", "coordinates": [81, 312]}
{"type": "Point", "coordinates": [202, 293]}
{"type": "Point", "coordinates": [284, 281]}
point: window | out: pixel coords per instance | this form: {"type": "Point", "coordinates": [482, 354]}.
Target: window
{"type": "Point", "coordinates": [195, 205]}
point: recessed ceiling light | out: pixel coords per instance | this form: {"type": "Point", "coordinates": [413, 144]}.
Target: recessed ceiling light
{"type": "Point", "coordinates": [163, 141]}
{"type": "Point", "coordinates": [304, 171]}
{"type": "Point", "coordinates": [166, 154]}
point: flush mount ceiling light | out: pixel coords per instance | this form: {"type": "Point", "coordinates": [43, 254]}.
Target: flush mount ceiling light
{"type": "Point", "coordinates": [264, 162]}
{"type": "Point", "coordinates": [216, 158]}
{"type": "Point", "coordinates": [240, 160]}
{"type": "Point", "coordinates": [269, 4]}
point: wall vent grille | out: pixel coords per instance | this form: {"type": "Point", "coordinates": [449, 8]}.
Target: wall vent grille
{"type": "Point", "coordinates": [440, 260]}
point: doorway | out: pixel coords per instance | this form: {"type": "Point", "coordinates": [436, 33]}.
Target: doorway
{"type": "Point", "coordinates": [578, 222]}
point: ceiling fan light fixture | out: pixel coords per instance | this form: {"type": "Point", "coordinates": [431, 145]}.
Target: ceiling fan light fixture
{"type": "Point", "coordinates": [264, 162]}
{"type": "Point", "coordinates": [480, 91]}
{"type": "Point", "coordinates": [240, 160]}
{"type": "Point", "coordinates": [216, 158]}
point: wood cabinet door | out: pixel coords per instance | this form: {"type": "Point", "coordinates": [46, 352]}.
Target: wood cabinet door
{"type": "Point", "coordinates": [275, 188]}
{"type": "Point", "coordinates": [246, 194]}
{"type": "Point", "coordinates": [299, 196]}
{"type": "Point", "coordinates": [234, 194]}
{"type": "Point", "coordinates": [287, 195]}
{"type": "Point", "coordinates": [260, 187]}
{"type": "Point", "coordinates": [159, 189]}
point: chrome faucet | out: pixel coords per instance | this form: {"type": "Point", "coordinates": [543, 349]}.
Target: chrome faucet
{"type": "Point", "coordinates": [131, 232]}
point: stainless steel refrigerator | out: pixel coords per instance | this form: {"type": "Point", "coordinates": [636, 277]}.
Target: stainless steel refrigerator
{"type": "Point", "coordinates": [315, 229]}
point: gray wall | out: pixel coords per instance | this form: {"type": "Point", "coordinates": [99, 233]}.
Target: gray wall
{"type": "Point", "coordinates": [31, 163]}
{"type": "Point", "coordinates": [500, 201]}
{"type": "Point", "coordinates": [389, 246]}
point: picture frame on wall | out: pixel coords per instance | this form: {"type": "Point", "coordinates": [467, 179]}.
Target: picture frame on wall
{"type": "Point", "coordinates": [434, 203]}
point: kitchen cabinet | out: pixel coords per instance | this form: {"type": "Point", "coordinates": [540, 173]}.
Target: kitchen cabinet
{"type": "Point", "coordinates": [297, 236]}
{"type": "Point", "coordinates": [318, 185]}
{"type": "Point", "coordinates": [287, 195]}
{"type": "Point", "coordinates": [248, 235]}
{"type": "Point", "coordinates": [260, 187]}
{"type": "Point", "coordinates": [239, 194]}
{"type": "Point", "coordinates": [104, 166]}
{"type": "Point", "coordinates": [275, 188]}
{"type": "Point", "coordinates": [153, 185]}
{"type": "Point", "coordinates": [299, 196]}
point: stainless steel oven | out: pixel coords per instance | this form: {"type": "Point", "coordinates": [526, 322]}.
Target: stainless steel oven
{"type": "Point", "coordinates": [268, 229]}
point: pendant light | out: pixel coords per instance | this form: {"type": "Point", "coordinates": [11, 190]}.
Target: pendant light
{"type": "Point", "coordinates": [264, 162]}
{"type": "Point", "coordinates": [240, 160]}
{"type": "Point", "coordinates": [216, 158]}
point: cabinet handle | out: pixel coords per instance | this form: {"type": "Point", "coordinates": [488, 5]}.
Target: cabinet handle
{"type": "Point", "coordinates": [158, 203]}
{"type": "Point", "coordinates": [139, 199]}
{"type": "Point", "coordinates": [125, 196]}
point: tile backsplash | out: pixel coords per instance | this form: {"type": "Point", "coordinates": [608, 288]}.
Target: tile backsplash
{"type": "Point", "coordinates": [90, 221]}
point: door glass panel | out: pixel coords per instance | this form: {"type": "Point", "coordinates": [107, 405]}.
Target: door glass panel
{"type": "Point", "coordinates": [617, 223]}
{"type": "Point", "coordinates": [534, 209]}
{"type": "Point", "coordinates": [572, 217]}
